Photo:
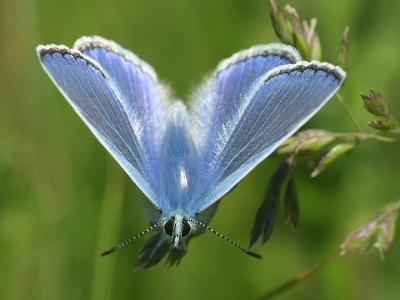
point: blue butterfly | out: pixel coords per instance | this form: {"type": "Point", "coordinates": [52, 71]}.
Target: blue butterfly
{"type": "Point", "coordinates": [184, 160]}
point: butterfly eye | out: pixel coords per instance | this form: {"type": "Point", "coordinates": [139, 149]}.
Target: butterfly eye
{"type": "Point", "coordinates": [185, 228]}
{"type": "Point", "coordinates": [169, 226]}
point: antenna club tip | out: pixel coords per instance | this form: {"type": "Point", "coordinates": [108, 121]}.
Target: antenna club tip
{"type": "Point", "coordinates": [107, 252]}
{"type": "Point", "coordinates": [253, 254]}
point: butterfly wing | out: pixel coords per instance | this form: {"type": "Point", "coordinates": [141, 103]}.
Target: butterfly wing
{"type": "Point", "coordinates": [260, 109]}
{"type": "Point", "coordinates": [228, 89]}
{"type": "Point", "coordinates": [118, 97]}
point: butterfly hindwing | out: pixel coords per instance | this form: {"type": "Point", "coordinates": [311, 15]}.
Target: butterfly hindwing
{"type": "Point", "coordinates": [228, 90]}
{"type": "Point", "coordinates": [135, 84]}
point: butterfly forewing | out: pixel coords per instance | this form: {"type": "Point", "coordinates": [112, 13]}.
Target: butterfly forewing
{"type": "Point", "coordinates": [118, 125]}
{"type": "Point", "coordinates": [284, 100]}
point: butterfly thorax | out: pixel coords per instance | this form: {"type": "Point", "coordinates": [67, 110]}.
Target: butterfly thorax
{"type": "Point", "coordinates": [178, 177]}
{"type": "Point", "coordinates": [178, 181]}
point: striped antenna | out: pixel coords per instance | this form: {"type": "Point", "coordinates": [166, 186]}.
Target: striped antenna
{"type": "Point", "coordinates": [132, 239]}
{"type": "Point", "coordinates": [247, 251]}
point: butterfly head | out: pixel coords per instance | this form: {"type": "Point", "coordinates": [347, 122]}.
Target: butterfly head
{"type": "Point", "coordinates": [173, 232]}
{"type": "Point", "coordinates": [177, 227]}
{"type": "Point", "coordinates": [172, 238]}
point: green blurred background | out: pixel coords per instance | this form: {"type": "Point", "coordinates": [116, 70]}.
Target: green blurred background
{"type": "Point", "coordinates": [63, 199]}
